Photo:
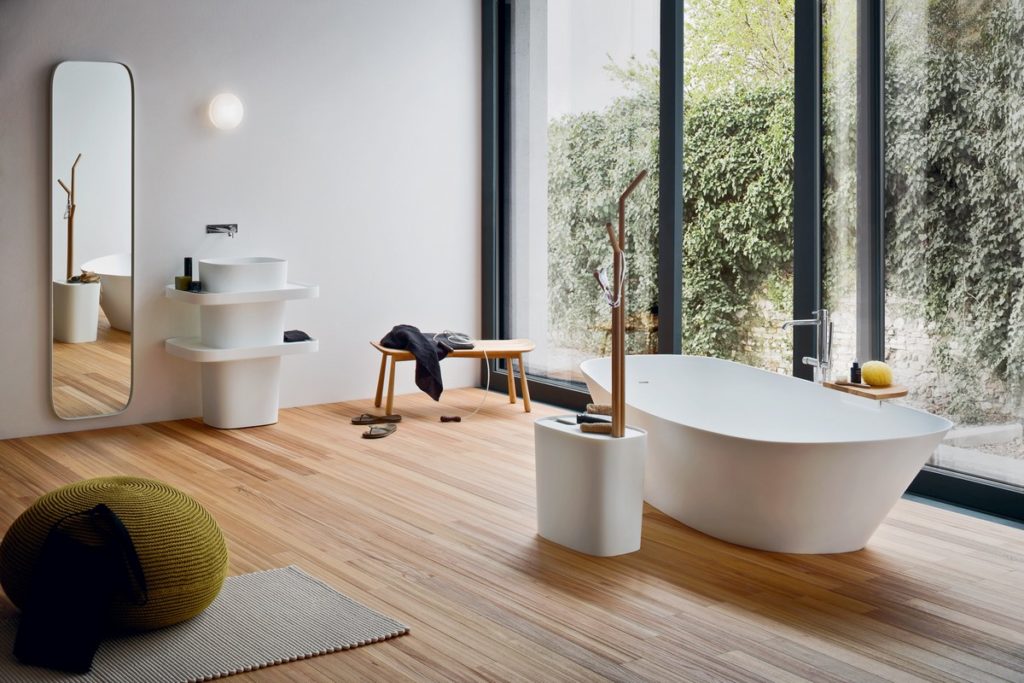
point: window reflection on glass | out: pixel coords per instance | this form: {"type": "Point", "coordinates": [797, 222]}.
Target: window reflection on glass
{"type": "Point", "coordinates": [584, 122]}
{"type": "Point", "coordinates": [839, 177]}
{"type": "Point", "coordinates": [954, 228]}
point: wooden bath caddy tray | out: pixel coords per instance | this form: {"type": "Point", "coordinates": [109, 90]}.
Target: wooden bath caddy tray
{"type": "Point", "coordinates": [865, 391]}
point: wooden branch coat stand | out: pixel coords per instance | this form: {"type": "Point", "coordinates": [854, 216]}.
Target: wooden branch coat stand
{"type": "Point", "coordinates": [619, 313]}
{"type": "Point", "coordinates": [71, 219]}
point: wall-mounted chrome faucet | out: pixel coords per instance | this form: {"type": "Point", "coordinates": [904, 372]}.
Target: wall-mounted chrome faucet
{"type": "Point", "coordinates": [822, 362]}
{"type": "Point", "coordinates": [228, 229]}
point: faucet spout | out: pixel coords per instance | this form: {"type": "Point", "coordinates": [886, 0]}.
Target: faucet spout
{"type": "Point", "coordinates": [228, 229]}
{"type": "Point", "coordinates": [796, 323]}
{"type": "Point", "coordinates": [822, 359]}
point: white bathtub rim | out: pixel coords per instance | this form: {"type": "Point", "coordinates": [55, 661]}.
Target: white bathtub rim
{"type": "Point", "coordinates": [794, 444]}
{"type": "Point", "coordinates": [110, 265]}
{"type": "Point", "coordinates": [944, 424]}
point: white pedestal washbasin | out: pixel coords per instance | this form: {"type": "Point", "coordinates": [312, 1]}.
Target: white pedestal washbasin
{"type": "Point", "coordinates": [241, 337]}
{"type": "Point", "coordinates": [257, 323]}
{"type": "Point", "coordinates": [243, 274]}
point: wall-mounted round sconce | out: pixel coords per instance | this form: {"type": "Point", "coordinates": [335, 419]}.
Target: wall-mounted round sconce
{"type": "Point", "coordinates": [226, 111]}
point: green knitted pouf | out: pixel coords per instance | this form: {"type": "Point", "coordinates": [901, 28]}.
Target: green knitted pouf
{"type": "Point", "coordinates": [179, 544]}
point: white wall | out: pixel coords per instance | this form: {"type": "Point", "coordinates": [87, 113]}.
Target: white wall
{"type": "Point", "coordinates": [358, 160]}
{"type": "Point", "coordinates": [91, 115]}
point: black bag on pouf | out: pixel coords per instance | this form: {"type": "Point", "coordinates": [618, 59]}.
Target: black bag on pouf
{"type": "Point", "coordinates": [73, 582]}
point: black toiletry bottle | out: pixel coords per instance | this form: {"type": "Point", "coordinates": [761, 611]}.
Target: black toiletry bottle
{"type": "Point", "coordinates": [182, 282]}
{"type": "Point", "coordinates": [855, 373]}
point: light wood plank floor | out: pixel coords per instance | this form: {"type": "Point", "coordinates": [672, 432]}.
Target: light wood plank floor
{"type": "Point", "coordinates": [93, 378]}
{"type": "Point", "coordinates": [435, 526]}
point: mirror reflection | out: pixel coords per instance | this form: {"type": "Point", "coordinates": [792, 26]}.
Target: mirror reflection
{"type": "Point", "coordinates": [91, 139]}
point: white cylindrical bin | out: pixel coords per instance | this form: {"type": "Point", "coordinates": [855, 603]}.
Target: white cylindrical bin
{"type": "Point", "coordinates": [590, 487]}
{"type": "Point", "coordinates": [76, 311]}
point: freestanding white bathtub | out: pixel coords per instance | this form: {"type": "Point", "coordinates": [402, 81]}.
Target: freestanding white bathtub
{"type": "Point", "coordinates": [764, 460]}
{"type": "Point", "coordinates": [115, 271]}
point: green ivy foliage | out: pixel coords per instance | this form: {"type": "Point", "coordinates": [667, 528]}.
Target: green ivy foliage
{"type": "Point", "coordinates": [954, 224]}
{"type": "Point", "coordinates": [737, 214]}
{"type": "Point", "coordinates": [954, 182]}
{"type": "Point", "coordinates": [592, 158]}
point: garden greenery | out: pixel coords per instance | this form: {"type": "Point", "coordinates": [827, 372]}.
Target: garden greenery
{"type": "Point", "coordinates": [954, 179]}
{"type": "Point", "coordinates": [954, 225]}
{"type": "Point", "coordinates": [737, 208]}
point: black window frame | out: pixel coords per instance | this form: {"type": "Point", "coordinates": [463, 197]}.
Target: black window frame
{"type": "Point", "coordinates": [952, 487]}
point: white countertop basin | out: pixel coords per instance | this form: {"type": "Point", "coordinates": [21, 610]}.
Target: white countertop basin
{"type": "Point", "coordinates": [243, 274]}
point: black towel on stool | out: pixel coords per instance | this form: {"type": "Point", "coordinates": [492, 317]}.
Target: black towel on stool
{"type": "Point", "coordinates": [428, 355]}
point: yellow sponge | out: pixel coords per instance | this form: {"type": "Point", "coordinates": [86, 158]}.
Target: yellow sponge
{"type": "Point", "coordinates": [875, 373]}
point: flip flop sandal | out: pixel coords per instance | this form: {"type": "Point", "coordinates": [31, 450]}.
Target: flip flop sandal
{"type": "Point", "coordinates": [368, 419]}
{"type": "Point", "coordinates": [380, 432]}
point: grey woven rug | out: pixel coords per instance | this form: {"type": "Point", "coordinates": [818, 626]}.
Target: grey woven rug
{"type": "Point", "coordinates": [258, 620]}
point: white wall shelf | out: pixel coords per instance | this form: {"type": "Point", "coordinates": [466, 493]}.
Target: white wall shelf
{"type": "Point", "coordinates": [193, 349]}
{"type": "Point", "coordinates": [291, 291]}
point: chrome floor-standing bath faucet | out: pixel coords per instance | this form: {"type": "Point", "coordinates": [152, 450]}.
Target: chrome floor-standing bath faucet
{"type": "Point", "coordinates": [822, 362]}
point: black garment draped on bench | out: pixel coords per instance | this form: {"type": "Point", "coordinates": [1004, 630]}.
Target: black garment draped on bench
{"type": "Point", "coordinates": [428, 354]}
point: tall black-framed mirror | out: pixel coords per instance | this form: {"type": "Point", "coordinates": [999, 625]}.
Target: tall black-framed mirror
{"type": "Point", "coordinates": [92, 238]}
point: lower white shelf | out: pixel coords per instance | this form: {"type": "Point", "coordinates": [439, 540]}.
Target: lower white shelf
{"type": "Point", "coordinates": [193, 349]}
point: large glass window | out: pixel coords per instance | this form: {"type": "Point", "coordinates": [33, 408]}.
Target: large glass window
{"type": "Point", "coordinates": [839, 177]}
{"type": "Point", "coordinates": [922, 180]}
{"type": "Point", "coordinates": [738, 184]}
{"type": "Point", "coordinates": [922, 231]}
{"type": "Point", "coordinates": [584, 92]}
{"type": "Point", "coordinates": [954, 227]}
